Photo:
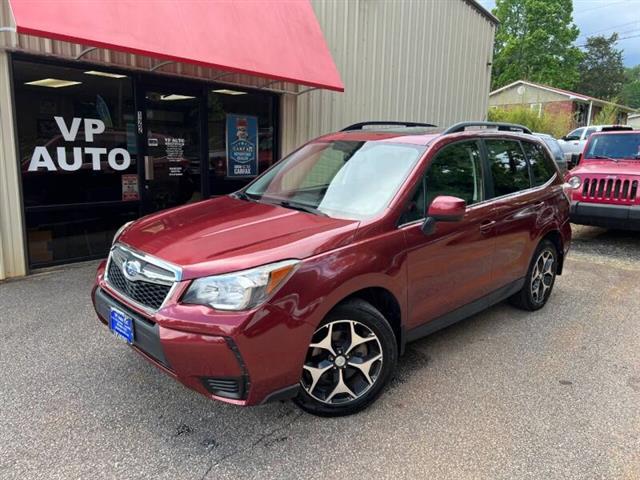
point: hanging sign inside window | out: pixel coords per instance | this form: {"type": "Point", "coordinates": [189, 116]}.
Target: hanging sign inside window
{"type": "Point", "coordinates": [130, 190]}
{"type": "Point", "coordinates": [242, 146]}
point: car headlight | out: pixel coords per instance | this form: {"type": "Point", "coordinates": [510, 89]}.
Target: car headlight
{"type": "Point", "coordinates": [239, 290]}
{"type": "Point", "coordinates": [575, 182]}
{"type": "Point", "coordinates": [119, 232]}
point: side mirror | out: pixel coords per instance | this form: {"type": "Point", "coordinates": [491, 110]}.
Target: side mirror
{"type": "Point", "coordinates": [444, 209]}
{"type": "Point", "coordinates": [574, 160]}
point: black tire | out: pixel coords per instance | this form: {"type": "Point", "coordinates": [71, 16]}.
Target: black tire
{"type": "Point", "coordinates": [526, 299]}
{"type": "Point", "coordinates": [366, 319]}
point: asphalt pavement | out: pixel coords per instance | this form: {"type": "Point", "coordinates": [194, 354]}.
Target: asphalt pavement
{"type": "Point", "coordinates": [506, 394]}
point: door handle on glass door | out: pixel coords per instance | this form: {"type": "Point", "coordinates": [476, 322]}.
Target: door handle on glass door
{"type": "Point", "coordinates": [148, 168]}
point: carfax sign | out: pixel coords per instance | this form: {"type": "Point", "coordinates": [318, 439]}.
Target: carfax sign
{"type": "Point", "coordinates": [242, 146]}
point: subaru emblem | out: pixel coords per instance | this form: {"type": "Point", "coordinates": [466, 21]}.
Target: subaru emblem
{"type": "Point", "coordinates": [132, 269]}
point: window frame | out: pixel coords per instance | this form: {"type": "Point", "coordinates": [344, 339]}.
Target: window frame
{"type": "Point", "coordinates": [423, 178]}
{"type": "Point", "coordinates": [488, 166]}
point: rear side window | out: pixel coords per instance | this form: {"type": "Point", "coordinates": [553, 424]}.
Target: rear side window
{"type": "Point", "coordinates": [508, 166]}
{"type": "Point", "coordinates": [542, 166]}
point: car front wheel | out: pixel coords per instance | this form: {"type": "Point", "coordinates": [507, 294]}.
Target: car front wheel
{"type": "Point", "coordinates": [352, 355]}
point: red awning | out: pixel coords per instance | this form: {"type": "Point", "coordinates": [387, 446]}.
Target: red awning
{"type": "Point", "coordinates": [276, 39]}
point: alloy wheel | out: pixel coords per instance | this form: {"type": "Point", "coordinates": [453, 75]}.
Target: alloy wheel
{"type": "Point", "coordinates": [542, 276]}
{"type": "Point", "coordinates": [343, 362]}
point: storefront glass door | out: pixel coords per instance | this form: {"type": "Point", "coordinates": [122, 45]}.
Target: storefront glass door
{"type": "Point", "coordinates": [171, 173]}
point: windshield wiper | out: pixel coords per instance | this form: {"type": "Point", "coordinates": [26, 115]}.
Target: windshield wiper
{"type": "Point", "coordinates": [299, 206]}
{"type": "Point", "coordinates": [604, 157]}
{"type": "Point", "coordinates": [243, 196]}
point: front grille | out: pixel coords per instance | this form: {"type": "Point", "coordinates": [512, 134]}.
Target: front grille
{"type": "Point", "coordinates": [149, 287]}
{"type": "Point", "coordinates": [619, 189]}
{"type": "Point", "coordinates": [148, 294]}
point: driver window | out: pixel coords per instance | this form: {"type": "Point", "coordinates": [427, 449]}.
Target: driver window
{"type": "Point", "coordinates": [455, 171]}
{"type": "Point", "coordinates": [575, 135]}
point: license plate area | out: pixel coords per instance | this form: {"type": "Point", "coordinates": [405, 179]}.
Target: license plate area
{"type": "Point", "coordinates": [121, 325]}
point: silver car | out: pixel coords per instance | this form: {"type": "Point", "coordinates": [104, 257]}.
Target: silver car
{"type": "Point", "coordinates": [558, 155]}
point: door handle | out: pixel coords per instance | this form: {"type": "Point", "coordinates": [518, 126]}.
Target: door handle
{"type": "Point", "coordinates": [486, 226]}
{"type": "Point", "coordinates": [538, 205]}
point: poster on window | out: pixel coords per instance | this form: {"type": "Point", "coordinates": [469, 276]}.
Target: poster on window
{"type": "Point", "coordinates": [242, 146]}
{"type": "Point", "coordinates": [130, 190]}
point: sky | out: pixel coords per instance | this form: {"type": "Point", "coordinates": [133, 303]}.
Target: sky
{"type": "Point", "coordinates": [604, 17]}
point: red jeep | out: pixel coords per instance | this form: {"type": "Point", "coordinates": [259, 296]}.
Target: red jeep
{"type": "Point", "coordinates": [309, 282]}
{"type": "Point", "coordinates": [604, 184]}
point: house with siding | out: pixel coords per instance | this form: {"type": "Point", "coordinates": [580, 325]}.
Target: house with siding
{"type": "Point", "coordinates": [546, 99]}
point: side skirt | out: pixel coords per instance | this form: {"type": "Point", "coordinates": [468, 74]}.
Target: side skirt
{"type": "Point", "coordinates": [465, 311]}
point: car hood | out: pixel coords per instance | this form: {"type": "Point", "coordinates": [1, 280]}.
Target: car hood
{"type": "Point", "coordinates": [607, 167]}
{"type": "Point", "coordinates": [227, 234]}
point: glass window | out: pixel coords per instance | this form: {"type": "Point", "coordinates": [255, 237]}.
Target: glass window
{"type": "Point", "coordinates": [233, 111]}
{"type": "Point", "coordinates": [575, 135]}
{"type": "Point", "coordinates": [78, 160]}
{"type": "Point", "coordinates": [508, 167]}
{"type": "Point", "coordinates": [589, 131]}
{"type": "Point", "coordinates": [615, 145]}
{"type": "Point", "coordinates": [542, 167]}
{"type": "Point", "coordinates": [456, 171]}
{"type": "Point", "coordinates": [345, 179]}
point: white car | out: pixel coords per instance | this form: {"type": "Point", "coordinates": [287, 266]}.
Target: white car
{"type": "Point", "coordinates": [573, 142]}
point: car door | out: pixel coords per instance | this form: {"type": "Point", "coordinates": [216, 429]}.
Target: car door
{"type": "Point", "coordinates": [517, 206]}
{"type": "Point", "coordinates": [451, 266]}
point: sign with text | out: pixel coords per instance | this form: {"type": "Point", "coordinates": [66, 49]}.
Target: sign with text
{"type": "Point", "coordinates": [242, 146]}
{"type": "Point", "coordinates": [130, 191]}
{"type": "Point", "coordinates": [88, 129]}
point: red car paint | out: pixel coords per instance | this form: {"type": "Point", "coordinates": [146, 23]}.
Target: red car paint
{"type": "Point", "coordinates": [427, 275]}
{"type": "Point", "coordinates": [608, 194]}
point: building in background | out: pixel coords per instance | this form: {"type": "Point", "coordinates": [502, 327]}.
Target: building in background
{"type": "Point", "coordinates": [634, 120]}
{"type": "Point", "coordinates": [112, 110]}
{"type": "Point", "coordinates": [542, 98]}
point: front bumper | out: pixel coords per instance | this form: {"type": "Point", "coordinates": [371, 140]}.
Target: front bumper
{"type": "Point", "coordinates": [622, 217]}
{"type": "Point", "coordinates": [244, 358]}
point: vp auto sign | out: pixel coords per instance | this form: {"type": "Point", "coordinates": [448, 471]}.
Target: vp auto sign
{"type": "Point", "coordinates": [71, 159]}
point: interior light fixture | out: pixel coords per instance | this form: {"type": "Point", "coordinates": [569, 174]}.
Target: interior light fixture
{"type": "Point", "coordinates": [98, 73]}
{"type": "Point", "coordinates": [53, 83]}
{"type": "Point", "coordinates": [226, 91]}
{"type": "Point", "coordinates": [175, 96]}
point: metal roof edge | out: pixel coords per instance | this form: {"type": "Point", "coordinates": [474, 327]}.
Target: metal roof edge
{"type": "Point", "coordinates": [484, 12]}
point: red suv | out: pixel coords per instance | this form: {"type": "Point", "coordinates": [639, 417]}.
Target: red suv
{"type": "Point", "coordinates": [309, 282]}
{"type": "Point", "coordinates": [604, 185]}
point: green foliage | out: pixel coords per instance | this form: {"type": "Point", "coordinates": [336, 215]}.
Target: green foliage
{"type": "Point", "coordinates": [607, 116]}
{"type": "Point", "coordinates": [601, 70]}
{"type": "Point", "coordinates": [630, 93]}
{"type": "Point", "coordinates": [535, 42]}
{"type": "Point", "coordinates": [555, 125]}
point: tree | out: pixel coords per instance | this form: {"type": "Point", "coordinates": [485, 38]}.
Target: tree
{"type": "Point", "coordinates": [534, 42]}
{"type": "Point", "coordinates": [630, 92]}
{"type": "Point", "coordinates": [601, 68]}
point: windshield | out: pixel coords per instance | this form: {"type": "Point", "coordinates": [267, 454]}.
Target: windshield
{"type": "Point", "coordinates": [614, 145]}
{"type": "Point", "coordinates": [342, 179]}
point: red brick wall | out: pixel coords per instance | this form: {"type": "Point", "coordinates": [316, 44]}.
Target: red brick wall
{"type": "Point", "coordinates": [557, 108]}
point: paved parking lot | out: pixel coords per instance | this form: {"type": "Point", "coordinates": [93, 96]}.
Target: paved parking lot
{"type": "Point", "coordinates": [503, 395]}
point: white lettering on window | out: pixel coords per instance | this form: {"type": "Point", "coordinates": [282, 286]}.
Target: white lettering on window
{"type": "Point", "coordinates": [77, 159]}
{"type": "Point", "coordinates": [68, 134]}
{"type": "Point", "coordinates": [126, 159]}
{"type": "Point", "coordinates": [41, 159]}
{"type": "Point", "coordinates": [92, 126]}
{"type": "Point", "coordinates": [95, 153]}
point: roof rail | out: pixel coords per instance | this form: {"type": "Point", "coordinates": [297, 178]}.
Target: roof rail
{"type": "Point", "coordinates": [361, 125]}
{"type": "Point", "coordinates": [505, 127]}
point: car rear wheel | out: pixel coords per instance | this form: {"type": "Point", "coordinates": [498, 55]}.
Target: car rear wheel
{"type": "Point", "coordinates": [352, 355]}
{"type": "Point", "coordinates": [540, 278]}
